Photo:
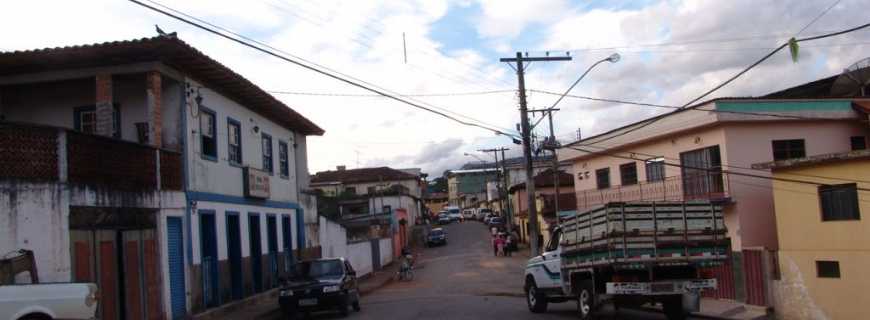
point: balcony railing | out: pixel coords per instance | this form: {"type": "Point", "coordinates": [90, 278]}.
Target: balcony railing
{"type": "Point", "coordinates": [705, 186]}
{"type": "Point", "coordinates": [39, 153]}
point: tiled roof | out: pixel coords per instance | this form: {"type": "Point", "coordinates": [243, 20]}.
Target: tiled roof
{"type": "Point", "coordinates": [815, 89]}
{"type": "Point", "coordinates": [361, 175]}
{"type": "Point", "coordinates": [545, 180]}
{"type": "Point", "coordinates": [170, 51]}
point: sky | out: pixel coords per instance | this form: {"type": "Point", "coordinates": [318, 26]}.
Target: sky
{"type": "Point", "coordinates": [449, 50]}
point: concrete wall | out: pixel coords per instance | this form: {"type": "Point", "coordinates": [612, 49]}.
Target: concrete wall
{"type": "Point", "coordinates": [333, 239]}
{"type": "Point", "coordinates": [360, 256]}
{"type": "Point", "coordinates": [805, 239]}
{"type": "Point", "coordinates": [412, 206]}
{"type": "Point", "coordinates": [219, 176]}
{"type": "Point", "coordinates": [386, 251]}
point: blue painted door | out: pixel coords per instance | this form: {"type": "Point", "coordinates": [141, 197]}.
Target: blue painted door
{"type": "Point", "coordinates": [175, 255]}
{"type": "Point", "coordinates": [288, 243]}
{"type": "Point", "coordinates": [208, 249]}
{"type": "Point", "coordinates": [256, 252]}
{"type": "Point", "coordinates": [272, 242]}
{"type": "Point", "coordinates": [234, 253]}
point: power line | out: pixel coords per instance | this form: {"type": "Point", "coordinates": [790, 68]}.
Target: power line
{"type": "Point", "coordinates": [726, 82]}
{"type": "Point", "coordinates": [652, 156]}
{"type": "Point", "coordinates": [644, 104]}
{"type": "Point", "coordinates": [354, 82]}
{"type": "Point", "coordinates": [710, 170]}
{"type": "Point", "coordinates": [817, 17]}
{"type": "Point", "coordinates": [442, 94]}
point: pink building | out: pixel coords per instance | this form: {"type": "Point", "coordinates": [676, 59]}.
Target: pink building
{"type": "Point", "coordinates": [705, 152]}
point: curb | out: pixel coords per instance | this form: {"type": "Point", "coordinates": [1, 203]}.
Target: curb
{"type": "Point", "coordinates": [700, 315]}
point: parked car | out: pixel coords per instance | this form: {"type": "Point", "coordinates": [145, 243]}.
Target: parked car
{"type": "Point", "coordinates": [482, 213]}
{"type": "Point", "coordinates": [436, 236]}
{"type": "Point", "coordinates": [444, 219]}
{"type": "Point", "coordinates": [468, 214]}
{"type": "Point", "coordinates": [488, 218]}
{"type": "Point", "coordinates": [42, 300]}
{"type": "Point", "coordinates": [317, 285]}
{"type": "Point", "coordinates": [454, 213]}
{"type": "Point", "coordinates": [496, 222]}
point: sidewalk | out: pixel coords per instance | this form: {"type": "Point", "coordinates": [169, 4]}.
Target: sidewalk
{"type": "Point", "coordinates": [726, 309]}
{"type": "Point", "coordinates": [265, 305]}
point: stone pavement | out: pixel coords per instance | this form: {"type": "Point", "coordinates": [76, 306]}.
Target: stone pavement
{"type": "Point", "coordinates": [727, 309]}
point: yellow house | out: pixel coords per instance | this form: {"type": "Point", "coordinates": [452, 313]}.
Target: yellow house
{"type": "Point", "coordinates": [823, 226]}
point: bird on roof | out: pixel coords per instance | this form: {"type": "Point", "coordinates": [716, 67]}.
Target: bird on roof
{"type": "Point", "coordinates": [162, 33]}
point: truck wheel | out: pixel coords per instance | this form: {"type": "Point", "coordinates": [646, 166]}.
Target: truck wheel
{"type": "Point", "coordinates": [585, 301]}
{"type": "Point", "coordinates": [673, 309]}
{"type": "Point", "coordinates": [536, 300]}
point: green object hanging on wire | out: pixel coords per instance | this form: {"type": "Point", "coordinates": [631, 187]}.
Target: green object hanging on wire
{"type": "Point", "coordinates": [794, 49]}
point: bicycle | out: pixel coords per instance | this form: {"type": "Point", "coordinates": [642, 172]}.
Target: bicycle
{"type": "Point", "coordinates": [406, 271]}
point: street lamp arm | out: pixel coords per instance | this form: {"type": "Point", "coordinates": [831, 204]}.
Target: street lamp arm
{"type": "Point", "coordinates": [612, 58]}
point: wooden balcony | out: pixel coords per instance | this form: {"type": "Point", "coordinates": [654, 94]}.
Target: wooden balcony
{"type": "Point", "coordinates": [41, 153]}
{"type": "Point", "coordinates": [707, 186]}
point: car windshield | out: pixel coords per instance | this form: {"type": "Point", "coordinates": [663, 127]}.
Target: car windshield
{"type": "Point", "coordinates": [496, 219]}
{"type": "Point", "coordinates": [453, 211]}
{"type": "Point", "coordinates": [436, 232]}
{"type": "Point", "coordinates": [319, 269]}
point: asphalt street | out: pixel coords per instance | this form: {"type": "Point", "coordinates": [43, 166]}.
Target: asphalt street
{"type": "Point", "coordinates": [463, 280]}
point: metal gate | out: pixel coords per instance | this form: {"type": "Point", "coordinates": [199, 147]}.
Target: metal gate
{"type": "Point", "coordinates": [234, 254]}
{"type": "Point", "coordinates": [256, 251]}
{"type": "Point", "coordinates": [724, 276]}
{"type": "Point", "coordinates": [272, 247]}
{"type": "Point", "coordinates": [376, 253]}
{"type": "Point", "coordinates": [175, 255]}
{"type": "Point", "coordinates": [753, 268]}
{"type": "Point", "coordinates": [208, 250]}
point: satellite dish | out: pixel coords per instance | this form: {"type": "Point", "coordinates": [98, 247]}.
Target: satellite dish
{"type": "Point", "coordinates": [853, 81]}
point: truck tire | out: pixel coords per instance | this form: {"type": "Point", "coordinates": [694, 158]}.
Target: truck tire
{"type": "Point", "coordinates": [673, 308]}
{"type": "Point", "coordinates": [586, 301]}
{"type": "Point", "coordinates": [535, 299]}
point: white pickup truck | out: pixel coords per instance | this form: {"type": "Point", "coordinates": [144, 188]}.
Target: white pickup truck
{"type": "Point", "coordinates": [630, 254]}
{"type": "Point", "coordinates": [42, 301]}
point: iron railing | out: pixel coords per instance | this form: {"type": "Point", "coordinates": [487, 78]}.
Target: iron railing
{"type": "Point", "coordinates": [704, 186]}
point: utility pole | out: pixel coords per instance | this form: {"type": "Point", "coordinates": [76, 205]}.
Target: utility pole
{"type": "Point", "coordinates": [527, 147]}
{"type": "Point", "coordinates": [502, 191]}
{"type": "Point", "coordinates": [551, 145]}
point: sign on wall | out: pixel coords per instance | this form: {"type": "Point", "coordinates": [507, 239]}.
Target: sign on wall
{"type": "Point", "coordinates": [256, 183]}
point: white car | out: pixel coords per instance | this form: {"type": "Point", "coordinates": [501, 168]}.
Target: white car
{"type": "Point", "coordinates": [48, 301]}
{"type": "Point", "coordinates": [482, 213]}
{"type": "Point", "coordinates": [468, 214]}
{"type": "Point", "coordinates": [454, 214]}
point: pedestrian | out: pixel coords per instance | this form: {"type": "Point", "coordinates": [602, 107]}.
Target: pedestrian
{"type": "Point", "coordinates": [494, 245]}
{"type": "Point", "coordinates": [508, 245]}
{"type": "Point", "coordinates": [493, 230]}
{"type": "Point", "coordinates": [499, 244]}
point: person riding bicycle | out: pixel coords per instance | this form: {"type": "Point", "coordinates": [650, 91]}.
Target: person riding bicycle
{"type": "Point", "coordinates": [408, 258]}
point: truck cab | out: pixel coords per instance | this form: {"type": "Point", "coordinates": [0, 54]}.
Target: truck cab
{"type": "Point", "coordinates": [543, 276]}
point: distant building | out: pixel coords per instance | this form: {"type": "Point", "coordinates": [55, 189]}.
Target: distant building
{"type": "Point", "coordinates": [545, 191]}
{"type": "Point", "coordinates": [467, 188]}
{"type": "Point", "coordinates": [824, 236]}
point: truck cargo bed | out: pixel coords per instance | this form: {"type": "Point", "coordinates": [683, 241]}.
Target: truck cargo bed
{"type": "Point", "coordinates": [628, 234]}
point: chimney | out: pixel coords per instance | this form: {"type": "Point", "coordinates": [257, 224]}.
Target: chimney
{"type": "Point", "coordinates": [341, 168]}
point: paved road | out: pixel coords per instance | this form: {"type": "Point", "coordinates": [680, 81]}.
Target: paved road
{"type": "Point", "coordinates": [463, 280]}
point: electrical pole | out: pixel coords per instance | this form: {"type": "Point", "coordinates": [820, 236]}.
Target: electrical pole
{"type": "Point", "coordinates": [551, 144]}
{"type": "Point", "coordinates": [502, 191]}
{"type": "Point", "coordinates": [527, 147]}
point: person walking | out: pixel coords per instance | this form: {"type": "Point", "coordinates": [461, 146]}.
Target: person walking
{"type": "Point", "coordinates": [499, 244]}
{"type": "Point", "coordinates": [508, 244]}
{"type": "Point", "coordinates": [494, 245]}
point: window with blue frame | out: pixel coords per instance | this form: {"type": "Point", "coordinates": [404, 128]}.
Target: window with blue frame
{"type": "Point", "coordinates": [234, 141]}
{"type": "Point", "coordinates": [85, 120]}
{"type": "Point", "coordinates": [207, 133]}
{"type": "Point", "coordinates": [267, 153]}
{"type": "Point", "coordinates": [283, 160]}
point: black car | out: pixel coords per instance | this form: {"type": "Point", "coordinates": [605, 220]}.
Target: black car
{"type": "Point", "coordinates": [444, 219]}
{"type": "Point", "coordinates": [436, 236]}
{"type": "Point", "coordinates": [316, 285]}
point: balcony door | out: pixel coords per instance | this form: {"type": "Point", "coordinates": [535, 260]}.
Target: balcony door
{"type": "Point", "coordinates": [702, 173]}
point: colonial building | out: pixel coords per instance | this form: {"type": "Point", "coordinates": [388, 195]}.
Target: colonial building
{"type": "Point", "coordinates": [153, 170]}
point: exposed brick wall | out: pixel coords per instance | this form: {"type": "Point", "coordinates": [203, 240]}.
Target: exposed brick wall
{"type": "Point", "coordinates": [155, 115]}
{"type": "Point", "coordinates": [104, 107]}
{"type": "Point", "coordinates": [28, 153]}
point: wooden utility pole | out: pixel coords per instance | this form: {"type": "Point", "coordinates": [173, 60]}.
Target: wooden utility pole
{"type": "Point", "coordinates": [551, 145]}
{"type": "Point", "coordinates": [527, 147]}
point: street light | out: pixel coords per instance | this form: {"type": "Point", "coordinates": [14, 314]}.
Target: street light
{"type": "Point", "coordinates": [613, 58]}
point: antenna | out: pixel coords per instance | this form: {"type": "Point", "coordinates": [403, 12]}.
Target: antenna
{"type": "Point", "coordinates": [853, 81]}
